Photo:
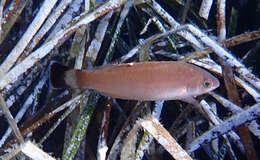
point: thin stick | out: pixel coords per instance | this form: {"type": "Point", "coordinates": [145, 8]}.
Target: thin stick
{"type": "Point", "coordinates": [233, 96]}
{"type": "Point", "coordinates": [11, 120]}
{"type": "Point", "coordinates": [148, 42]}
{"type": "Point", "coordinates": [40, 117]}
{"type": "Point", "coordinates": [233, 41]}
{"type": "Point", "coordinates": [48, 24]}
{"type": "Point", "coordinates": [72, 105]}
{"type": "Point", "coordinates": [2, 4]}
{"type": "Point", "coordinates": [185, 11]}
{"type": "Point", "coordinates": [95, 45]}
{"type": "Point", "coordinates": [81, 127]}
{"type": "Point", "coordinates": [30, 32]}
{"type": "Point", "coordinates": [242, 38]}
{"type": "Point", "coordinates": [34, 152]}
{"type": "Point", "coordinates": [13, 12]}
{"type": "Point", "coordinates": [153, 126]}
{"type": "Point", "coordinates": [174, 24]}
{"type": "Point", "coordinates": [147, 138]}
{"type": "Point", "coordinates": [221, 20]}
{"type": "Point", "coordinates": [22, 86]}
{"type": "Point", "coordinates": [205, 8]}
{"type": "Point", "coordinates": [252, 126]}
{"type": "Point", "coordinates": [227, 125]}
{"type": "Point", "coordinates": [66, 19]}
{"type": "Point", "coordinates": [216, 121]}
{"type": "Point", "coordinates": [11, 154]}
{"type": "Point", "coordinates": [102, 147]}
{"type": "Point", "coordinates": [24, 107]}
{"type": "Point", "coordinates": [123, 15]}
{"type": "Point", "coordinates": [30, 150]}
{"type": "Point", "coordinates": [128, 124]}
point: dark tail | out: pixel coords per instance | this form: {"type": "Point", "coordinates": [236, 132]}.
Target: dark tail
{"type": "Point", "coordinates": [57, 75]}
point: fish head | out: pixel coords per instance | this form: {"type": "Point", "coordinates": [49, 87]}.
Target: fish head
{"type": "Point", "coordinates": [202, 83]}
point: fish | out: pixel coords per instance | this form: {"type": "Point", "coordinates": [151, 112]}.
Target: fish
{"type": "Point", "coordinates": [144, 81]}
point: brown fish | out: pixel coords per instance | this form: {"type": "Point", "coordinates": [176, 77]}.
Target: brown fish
{"type": "Point", "coordinates": [164, 80]}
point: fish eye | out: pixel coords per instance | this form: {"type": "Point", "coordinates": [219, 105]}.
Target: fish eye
{"type": "Point", "coordinates": [207, 84]}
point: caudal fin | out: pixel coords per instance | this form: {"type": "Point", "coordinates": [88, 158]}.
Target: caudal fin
{"type": "Point", "coordinates": [57, 75]}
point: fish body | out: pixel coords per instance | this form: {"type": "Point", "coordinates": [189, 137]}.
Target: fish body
{"type": "Point", "coordinates": [164, 80]}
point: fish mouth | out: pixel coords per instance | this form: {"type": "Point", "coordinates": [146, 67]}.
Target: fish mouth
{"type": "Point", "coordinates": [216, 83]}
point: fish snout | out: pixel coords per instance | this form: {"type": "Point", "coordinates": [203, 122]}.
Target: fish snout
{"type": "Point", "coordinates": [216, 83]}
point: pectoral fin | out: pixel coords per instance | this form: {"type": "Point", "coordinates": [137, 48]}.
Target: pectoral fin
{"type": "Point", "coordinates": [192, 101]}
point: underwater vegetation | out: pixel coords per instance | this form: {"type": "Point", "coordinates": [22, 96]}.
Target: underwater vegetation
{"type": "Point", "coordinates": [129, 79]}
